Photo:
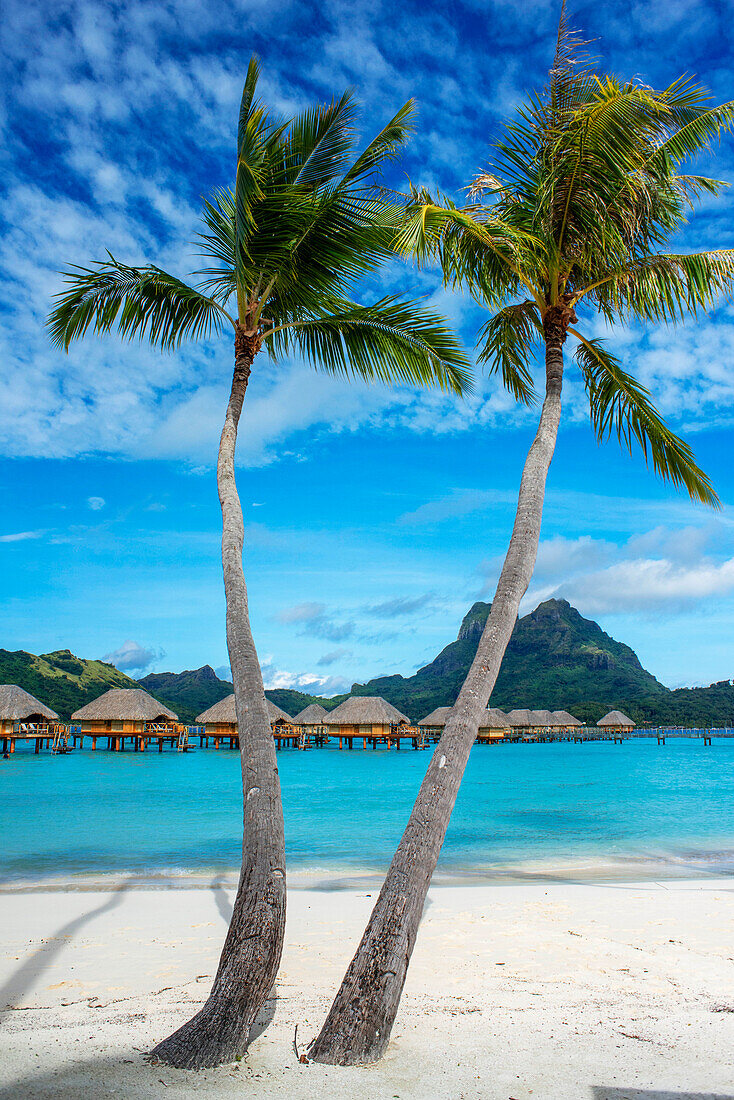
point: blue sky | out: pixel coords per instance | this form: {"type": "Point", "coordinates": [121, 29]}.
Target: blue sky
{"type": "Point", "coordinates": [374, 516]}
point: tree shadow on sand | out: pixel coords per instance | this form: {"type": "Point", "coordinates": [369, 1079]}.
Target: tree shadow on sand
{"type": "Point", "coordinates": [224, 905]}
{"type": "Point", "coordinates": [101, 1076]}
{"type": "Point", "coordinates": [221, 897]}
{"type": "Point", "coordinates": [25, 977]}
{"type": "Point", "coordinates": [600, 1092]}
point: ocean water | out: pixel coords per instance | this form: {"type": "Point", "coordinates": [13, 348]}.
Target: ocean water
{"type": "Point", "coordinates": [594, 810]}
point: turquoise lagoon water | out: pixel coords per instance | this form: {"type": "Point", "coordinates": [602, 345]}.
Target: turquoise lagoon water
{"type": "Point", "coordinates": [591, 810]}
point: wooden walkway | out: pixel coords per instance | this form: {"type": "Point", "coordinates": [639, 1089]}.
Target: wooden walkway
{"type": "Point", "coordinates": [58, 738]}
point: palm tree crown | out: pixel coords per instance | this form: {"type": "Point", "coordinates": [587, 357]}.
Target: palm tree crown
{"type": "Point", "coordinates": [584, 191]}
{"type": "Point", "coordinates": [302, 224]}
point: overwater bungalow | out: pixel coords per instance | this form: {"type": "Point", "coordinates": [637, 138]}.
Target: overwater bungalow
{"type": "Point", "coordinates": [616, 722]}
{"type": "Point", "coordinates": [565, 721]}
{"type": "Point", "coordinates": [23, 717]}
{"type": "Point", "coordinates": [532, 724]}
{"type": "Point", "coordinates": [126, 713]}
{"type": "Point", "coordinates": [311, 721]}
{"type": "Point", "coordinates": [519, 720]}
{"type": "Point", "coordinates": [311, 716]}
{"type": "Point", "coordinates": [495, 726]}
{"type": "Point", "coordinates": [432, 725]}
{"type": "Point", "coordinates": [373, 719]}
{"type": "Point", "coordinates": [220, 723]}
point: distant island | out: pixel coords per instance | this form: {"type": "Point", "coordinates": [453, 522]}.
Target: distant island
{"type": "Point", "coordinates": [556, 659]}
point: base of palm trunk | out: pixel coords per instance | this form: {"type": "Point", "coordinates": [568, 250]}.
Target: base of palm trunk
{"type": "Point", "coordinates": [216, 1035]}
{"type": "Point", "coordinates": [357, 1030]}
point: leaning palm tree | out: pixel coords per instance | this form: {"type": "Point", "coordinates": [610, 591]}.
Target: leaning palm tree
{"type": "Point", "coordinates": [303, 223]}
{"type": "Point", "coordinates": [585, 191]}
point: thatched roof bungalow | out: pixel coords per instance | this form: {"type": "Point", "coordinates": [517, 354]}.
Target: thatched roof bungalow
{"type": "Point", "coordinates": [364, 716]}
{"type": "Point", "coordinates": [538, 719]}
{"type": "Point", "coordinates": [616, 720]}
{"type": "Point", "coordinates": [123, 711]}
{"type": "Point", "coordinates": [519, 719]}
{"type": "Point", "coordinates": [19, 706]}
{"type": "Point", "coordinates": [564, 720]}
{"type": "Point", "coordinates": [493, 725]}
{"type": "Point", "coordinates": [543, 719]}
{"type": "Point", "coordinates": [221, 719]}
{"type": "Point", "coordinates": [311, 717]}
{"type": "Point", "coordinates": [437, 719]}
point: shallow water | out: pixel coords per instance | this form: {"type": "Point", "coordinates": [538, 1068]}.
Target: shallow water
{"type": "Point", "coordinates": [557, 810]}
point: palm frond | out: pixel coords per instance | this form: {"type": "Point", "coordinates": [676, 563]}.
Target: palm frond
{"type": "Point", "coordinates": [619, 404]}
{"type": "Point", "coordinates": [667, 287]}
{"type": "Point", "coordinates": [383, 147]}
{"type": "Point", "coordinates": [486, 255]}
{"type": "Point", "coordinates": [390, 341]}
{"type": "Point", "coordinates": [320, 140]}
{"type": "Point", "coordinates": [693, 137]}
{"type": "Point", "coordinates": [508, 338]}
{"type": "Point", "coordinates": [143, 302]}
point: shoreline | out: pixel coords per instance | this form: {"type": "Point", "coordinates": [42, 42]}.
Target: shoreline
{"type": "Point", "coordinates": [713, 866]}
{"type": "Point", "coordinates": [554, 990]}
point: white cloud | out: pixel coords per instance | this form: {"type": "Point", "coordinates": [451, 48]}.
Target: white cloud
{"type": "Point", "coordinates": [648, 584]}
{"type": "Point", "coordinates": [663, 570]}
{"type": "Point", "coordinates": [96, 503]}
{"type": "Point", "coordinates": [308, 682]}
{"type": "Point", "coordinates": [133, 657]}
{"type": "Point", "coordinates": [22, 536]}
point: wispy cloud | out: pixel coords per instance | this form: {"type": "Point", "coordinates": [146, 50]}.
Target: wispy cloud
{"type": "Point", "coordinates": [22, 536]}
{"type": "Point", "coordinates": [401, 605]}
{"type": "Point", "coordinates": [314, 621]}
{"type": "Point", "coordinates": [335, 655]}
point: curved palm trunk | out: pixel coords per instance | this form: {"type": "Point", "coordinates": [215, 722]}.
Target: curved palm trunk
{"type": "Point", "coordinates": [359, 1023]}
{"type": "Point", "coordinates": [252, 949]}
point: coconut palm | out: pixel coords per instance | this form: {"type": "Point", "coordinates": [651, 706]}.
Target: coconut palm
{"type": "Point", "coordinates": [303, 223]}
{"type": "Point", "coordinates": [568, 222]}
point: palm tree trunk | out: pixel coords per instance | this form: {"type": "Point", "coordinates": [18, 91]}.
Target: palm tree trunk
{"type": "Point", "coordinates": [359, 1023]}
{"type": "Point", "coordinates": [252, 949]}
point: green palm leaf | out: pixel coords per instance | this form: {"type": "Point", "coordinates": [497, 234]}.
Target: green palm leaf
{"type": "Point", "coordinates": [618, 403]}
{"type": "Point", "coordinates": [508, 339]}
{"type": "Point", "coordinates": [143, 302]}
{"type": "Point", "coordinates": [390, 341]}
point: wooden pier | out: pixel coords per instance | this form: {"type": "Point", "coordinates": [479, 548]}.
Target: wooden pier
{"type": "Point", "coordinates": [59, 738]}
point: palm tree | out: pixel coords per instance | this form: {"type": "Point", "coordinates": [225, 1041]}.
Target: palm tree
{"type": "Point", "coordinates": [304, 222]}
{"type": "Point", "coordinates": [584, 193]}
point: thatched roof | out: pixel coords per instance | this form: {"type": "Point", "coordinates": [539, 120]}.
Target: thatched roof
{"type": "Point", "coordinates": [224, 713]}
{"type": "Point", "coordinates": [365, 710]}
{"type": "Point", "coordinates": [615, 718]}
{"type": "Point", "coordinates": [120, 703]}
{"type": "Point", "coordinates": [563, 718]}
{"type": "Point", "coordinates": [312, 715]}
{"type": "Point", "coordinates": [275, 712]}
{"type": "Point", "coordinates": [437, 717]}
{"type": "Point", "coordinates": [494, 719]}
{"type": "Point", "coordinates": [519, 718]}
{"type": "Point", "coordinates": [542, 718]}
{"type": "Point", "coordinates": [16, 705]}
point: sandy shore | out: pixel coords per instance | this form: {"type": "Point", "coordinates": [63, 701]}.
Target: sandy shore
{"type": "Point", "coordinates": [552, 991]}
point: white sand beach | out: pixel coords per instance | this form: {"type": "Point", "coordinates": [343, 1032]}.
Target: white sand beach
{"type": "Point", "coordinates": [552, 991]}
